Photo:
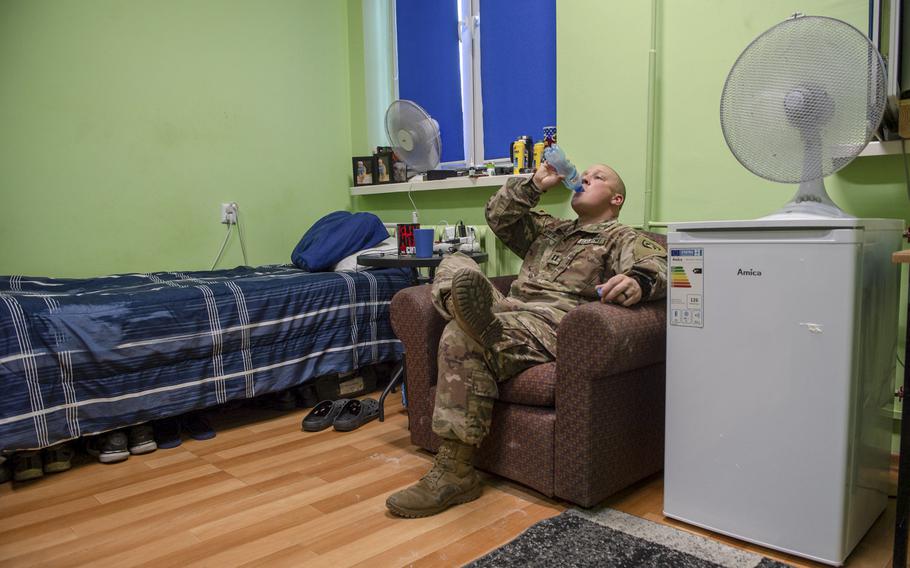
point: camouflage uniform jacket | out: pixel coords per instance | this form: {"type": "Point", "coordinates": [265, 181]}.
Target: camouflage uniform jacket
{"type": "Point", "coordinates": [564, 262]}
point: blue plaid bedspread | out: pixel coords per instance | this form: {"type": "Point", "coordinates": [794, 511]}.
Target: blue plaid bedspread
{"type": "Point", "coordinates": [85, 356]}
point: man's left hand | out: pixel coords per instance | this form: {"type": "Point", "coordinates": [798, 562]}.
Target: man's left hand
{"type": "Point", "coordinates": [620, 289]}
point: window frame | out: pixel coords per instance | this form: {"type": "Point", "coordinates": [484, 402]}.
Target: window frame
{"type": "Point", "coordinates": [468, 36]}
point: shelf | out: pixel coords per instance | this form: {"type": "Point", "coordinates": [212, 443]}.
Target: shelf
{"type": "Point", "coordinates": [876, 148]}
{"type": "Point", "coordinates": [449, 183]}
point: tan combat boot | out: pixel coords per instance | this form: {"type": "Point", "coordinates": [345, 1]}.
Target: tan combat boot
{"type": "Point", "coordinates": [473, 297]}
{"type": "Point", "coordinates": [452, 481]}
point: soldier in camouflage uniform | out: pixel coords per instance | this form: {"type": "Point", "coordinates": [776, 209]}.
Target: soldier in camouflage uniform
{"type": "Point", "coordinates": [491, 338]}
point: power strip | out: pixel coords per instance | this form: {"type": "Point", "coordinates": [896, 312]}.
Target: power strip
{"type": "Point", "coordinates": [445, 247]}
{"type": "Point", "coordinates": [448, 233]}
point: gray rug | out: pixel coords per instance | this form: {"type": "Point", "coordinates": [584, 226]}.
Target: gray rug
{"type": "Point", "coordinates": [609, 538]}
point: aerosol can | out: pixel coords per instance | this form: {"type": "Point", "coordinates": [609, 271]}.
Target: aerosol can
{"type": "Point", "coordinates": [519, 152]}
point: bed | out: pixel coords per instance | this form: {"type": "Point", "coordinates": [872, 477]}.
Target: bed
{"type": "Point", "coordinates": [82, 356]}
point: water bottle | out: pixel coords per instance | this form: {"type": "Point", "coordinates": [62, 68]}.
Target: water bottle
{"type": "Point", "coordinates": [555, 156]}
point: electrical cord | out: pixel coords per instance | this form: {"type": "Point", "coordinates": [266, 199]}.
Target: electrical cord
{"type": "Point", "coordinates": [227, 236]}
{"type": "Point", "coordinates": [242, 242]}
{"type": "Point", "coordinates": [414, 205]}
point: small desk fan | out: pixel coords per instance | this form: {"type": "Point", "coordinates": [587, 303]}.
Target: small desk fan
{"type": "Point", "coordinates": [801, 101]}
{"type": "Point", "coordinates": [414, 135]}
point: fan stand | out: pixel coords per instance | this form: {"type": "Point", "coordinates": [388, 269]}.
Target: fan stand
{"type": "Point", "coordinates": [811, 200]}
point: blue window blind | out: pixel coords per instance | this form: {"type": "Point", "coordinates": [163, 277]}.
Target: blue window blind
{"type": "Point", "coordinates": [428, 66]}
{"type": "Point", "coordinates": [518, 71]}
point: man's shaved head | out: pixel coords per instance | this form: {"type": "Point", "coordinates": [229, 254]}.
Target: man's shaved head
{"type": "Point", "coordinates": [619, 186]}
{"type": "Point", "coordinates": [603, 196]}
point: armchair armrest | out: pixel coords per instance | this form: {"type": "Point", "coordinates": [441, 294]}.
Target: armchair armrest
{"type": "Point", "coordinates": [606, 339]}
{"type": "Point", "coordinates": [419, 326]}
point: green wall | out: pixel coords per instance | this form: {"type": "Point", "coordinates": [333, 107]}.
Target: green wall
{"type": "Point", "coordinates": [602, 90]}
{"type": "Point", "coordinates": [698, 177]}
{"type": "Point", "coordinates": [602, 61]}
{"type": "Point", "coordinates": [125, 125]}
{"type": "Point", "coordinates": [602, 103]}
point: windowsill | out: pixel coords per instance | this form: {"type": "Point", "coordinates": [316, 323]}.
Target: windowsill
{"type": "Point", "coordinates": [876, 148]}
{"type": "Point", "coordinates": [449, 183]}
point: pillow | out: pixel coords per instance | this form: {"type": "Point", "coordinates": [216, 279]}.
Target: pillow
{"type": "Point", "coordinates": [336, 236]}
{"type": "Point", "coordinates": [349, 263]}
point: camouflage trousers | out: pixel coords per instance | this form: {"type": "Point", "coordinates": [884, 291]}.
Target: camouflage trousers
{"type": "Point", "coordinates": [466, 385]}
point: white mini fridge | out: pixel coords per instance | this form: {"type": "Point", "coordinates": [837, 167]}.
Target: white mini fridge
{"type": "Point", "coordinates": [780, 372]}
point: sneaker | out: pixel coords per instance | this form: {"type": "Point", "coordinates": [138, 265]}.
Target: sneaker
{"type": "Point", "coordinates": [27, 465]}
{"type": "Point", "coordinates": [167, 433]}
{"type": "Point", "coordinates": [473, 297]}
{"type": "Point", "coordinates": [196, 425]}
{"type": "Point", "coordinates": [141, 439]}
{"type": "Point", "coordinates": [110, 447]}
{"type": "Point", "coordinates": [58, 458]}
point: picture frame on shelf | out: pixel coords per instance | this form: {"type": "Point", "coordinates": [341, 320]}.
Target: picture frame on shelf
{"type": "Point", "coordinates": [399, 170]}
{"type": "Point", "coordinates": [363, 170]}
{"type": "Point", "coordinates": [383, 167]}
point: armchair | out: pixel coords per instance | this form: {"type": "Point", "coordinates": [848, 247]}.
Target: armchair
{"type": "Point", "coordinates": [580, 428]}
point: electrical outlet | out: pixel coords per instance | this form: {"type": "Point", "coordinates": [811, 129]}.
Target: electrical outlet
{"type": "Point", "coordinates": [229, 213]}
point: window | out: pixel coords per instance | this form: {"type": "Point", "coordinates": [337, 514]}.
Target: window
{"type": "Point", "coordinates": [484, 69]}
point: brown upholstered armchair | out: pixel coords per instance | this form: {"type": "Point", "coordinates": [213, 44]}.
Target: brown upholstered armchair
{"type": "Point", "coordinates": [580, 428]}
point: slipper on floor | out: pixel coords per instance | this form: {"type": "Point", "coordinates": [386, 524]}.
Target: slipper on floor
{"type": "Point", "coordinates": [167, 433]}
{"type": "Point", "coordinates": [195, 424]}
{"type": "Point", "coordinates": [323, 415]}
{"type": "Point", "coordinates": [356, 413]}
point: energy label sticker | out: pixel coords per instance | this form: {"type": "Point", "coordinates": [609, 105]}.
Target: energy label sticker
{"type": "Point", "coordinates": [687, 288]}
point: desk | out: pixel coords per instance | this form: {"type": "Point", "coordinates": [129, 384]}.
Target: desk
{"type": "Point", "coordinates": [903, 473]}
{"type": "Point", "coordinates": [395, 260]}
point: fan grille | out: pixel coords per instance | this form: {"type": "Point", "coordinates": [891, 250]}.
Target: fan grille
{"type": "Point", "coordinates": [803, 99]}
{"type": "Point", "coordinates": [414, 136]}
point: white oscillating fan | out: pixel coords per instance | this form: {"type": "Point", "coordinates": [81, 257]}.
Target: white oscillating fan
{"type": "Point", "coordinates": [803, 99]}
{"type": "Point", "coordinates": [414, 135]}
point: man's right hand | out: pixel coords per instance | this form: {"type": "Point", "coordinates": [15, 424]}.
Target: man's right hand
{"type": "Point", "coordinates": [545, 177]}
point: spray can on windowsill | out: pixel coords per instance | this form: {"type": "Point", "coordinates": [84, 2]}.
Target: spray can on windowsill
{"type": "Point", "coordinates": [538, 154]}
{"type": "Point", "coordinates": [518, 153]}
{"type": "Point", "coordinates": [556, 157]}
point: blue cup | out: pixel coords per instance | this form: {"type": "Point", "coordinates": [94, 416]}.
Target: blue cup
{"type": "Point", "coordinates": [423, 242]}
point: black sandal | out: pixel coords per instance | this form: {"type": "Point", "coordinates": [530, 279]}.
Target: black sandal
{"type": "Point", "coordinates": [323, 415]}
{"type": "Point", "coordinates": [356, 413]}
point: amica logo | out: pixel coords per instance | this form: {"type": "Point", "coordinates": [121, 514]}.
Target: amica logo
{"type": "Point", "coordinates": [749, 272]}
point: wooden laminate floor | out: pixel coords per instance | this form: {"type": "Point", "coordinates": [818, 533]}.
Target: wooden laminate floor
{"type": "Point", "coordinates": [263, 493]}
